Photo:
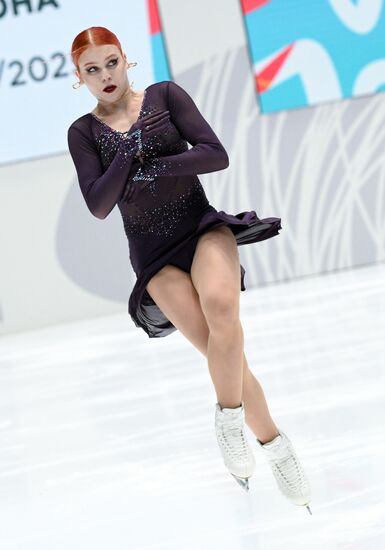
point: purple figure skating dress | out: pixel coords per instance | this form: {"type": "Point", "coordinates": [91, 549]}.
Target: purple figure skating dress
{"type": "Point", "coordinates": [161, 200]}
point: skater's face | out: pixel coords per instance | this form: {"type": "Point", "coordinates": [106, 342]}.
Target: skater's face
{"type": "Point", "coordinates": [102, 66]}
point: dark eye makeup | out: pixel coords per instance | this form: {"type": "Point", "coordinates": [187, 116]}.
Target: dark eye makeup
{"type": "Point", "coordinates": [115, 61]}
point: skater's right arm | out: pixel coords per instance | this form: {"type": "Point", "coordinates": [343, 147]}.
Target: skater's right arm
{"type": "Point", "coordinates": [101, 191]}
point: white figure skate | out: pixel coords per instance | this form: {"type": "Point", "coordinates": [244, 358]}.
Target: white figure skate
{"type": "Point", "coordinates": [287, 469]}
{"type": "Point", "coordinates": [235, 449]}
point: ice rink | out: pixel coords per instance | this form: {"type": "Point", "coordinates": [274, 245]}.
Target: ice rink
{"type": "Point", "coordinates": [107, 437]}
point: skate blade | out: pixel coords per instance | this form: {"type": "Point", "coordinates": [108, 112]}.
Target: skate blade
{"type": "Point", "coordinates": [308, 507]}
{"type": "Point", "coordinates": [243, 482]}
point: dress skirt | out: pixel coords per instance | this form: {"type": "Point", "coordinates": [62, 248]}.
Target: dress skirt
{"type": "Point", "coordinates": [246, 227]}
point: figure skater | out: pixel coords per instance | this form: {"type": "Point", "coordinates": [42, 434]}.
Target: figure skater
{"type": "Point", "coordinates": [132, 150]}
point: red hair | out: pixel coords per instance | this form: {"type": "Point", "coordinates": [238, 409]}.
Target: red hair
{"type": "Point", "coordinates": [93, 36]}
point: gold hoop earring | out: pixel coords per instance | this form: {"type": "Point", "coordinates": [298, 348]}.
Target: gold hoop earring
{"type": "Point", "coordinates": [76, 85]}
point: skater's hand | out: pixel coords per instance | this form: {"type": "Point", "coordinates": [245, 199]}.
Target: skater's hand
{"type": "Point", "coordinates": [146, 127]}
{"type": "Point", "coordinates": [149, 125]}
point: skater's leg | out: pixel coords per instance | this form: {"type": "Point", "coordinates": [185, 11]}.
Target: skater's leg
{"type": "Point", "coordinates": [172, 289]}
{"type": "Point", "coordinates": [257, 414]}
{"type": "Point", "coordinates": [215, 273]}
{"type": "Point", "coordinates": [224, 356]}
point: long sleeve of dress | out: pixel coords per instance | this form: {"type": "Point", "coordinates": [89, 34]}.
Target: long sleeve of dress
{"type": "Point", "coordinates": [207, 154]}
{"type": "Point", "coordinates": [101, 191]}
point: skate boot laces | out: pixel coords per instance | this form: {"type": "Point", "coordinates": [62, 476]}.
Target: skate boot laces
{"type": "Point", "coordinates": [286, 465]}
{"type": "Point", "coordinates": [233, 438]}
{"type": "Point", "coordinates": [230, 431]}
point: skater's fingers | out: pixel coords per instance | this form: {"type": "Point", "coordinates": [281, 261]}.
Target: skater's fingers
{"type": "Point", "coordinates": [155, 121]}
{"type": "Point", "coordinates": [157, 126]}
{"type": "Point", "coordinates": [151, 118]}
{"type": "Point", "coordinates": [158, 120]}
{"type": "Point", "coordinates": [153, 114]}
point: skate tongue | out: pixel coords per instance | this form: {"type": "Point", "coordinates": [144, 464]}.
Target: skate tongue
{"type": "Point", "coordinates": [274, 443]}
{"type": "Point", "coordinates": [231, 409]}
{"type": "Point", "coordinates": [236, 413]}
{"type": "Point", "coordinates": [232, 412]}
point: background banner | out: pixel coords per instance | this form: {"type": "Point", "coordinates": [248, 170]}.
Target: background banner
{"type": "Point", "coordinates": [308, 52]}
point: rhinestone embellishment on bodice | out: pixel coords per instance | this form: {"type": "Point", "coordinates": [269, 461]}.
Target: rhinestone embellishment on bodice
{"type": "Point", "coordinates": [163, 220]}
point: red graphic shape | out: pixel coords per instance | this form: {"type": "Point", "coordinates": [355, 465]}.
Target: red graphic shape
{"type": "Point", "coordinates": [265, 78]}
{"type": "Point", "coordinates": [251, 5]}
{"type": "Point", "coordinates": [153, 14]}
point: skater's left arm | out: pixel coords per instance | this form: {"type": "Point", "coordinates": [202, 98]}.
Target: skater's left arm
{"type": "Point", "coordinates": [206, 155]}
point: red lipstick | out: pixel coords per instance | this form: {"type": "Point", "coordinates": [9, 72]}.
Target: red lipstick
{"type": "Point", "coordinates": [109, 89]}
